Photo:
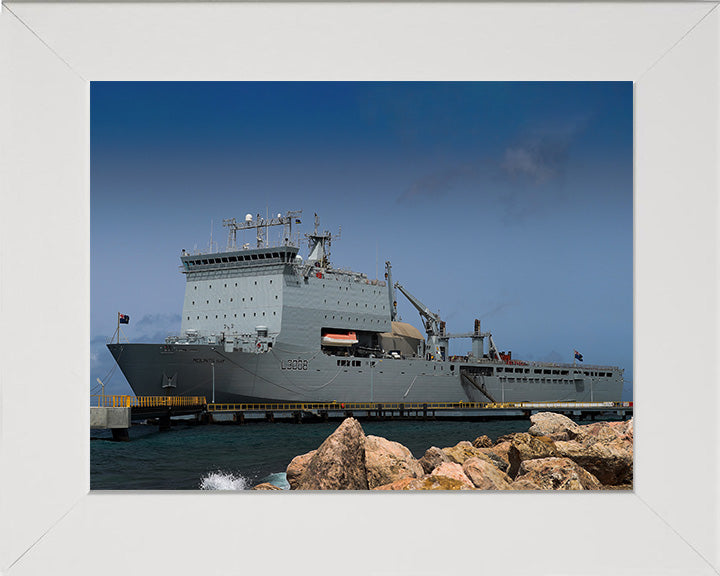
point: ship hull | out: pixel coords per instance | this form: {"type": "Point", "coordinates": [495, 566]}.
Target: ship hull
{"type": "Point", "coordinates": [283, 375]}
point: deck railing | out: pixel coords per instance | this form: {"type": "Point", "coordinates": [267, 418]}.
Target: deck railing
{"type": "Point", "coordinates": [121, 401]}
{"type": "Point", "coordinates": [412, 406]}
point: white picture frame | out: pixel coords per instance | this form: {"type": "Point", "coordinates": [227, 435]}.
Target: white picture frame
{"type": "Point", "coordinates": [49, 520]}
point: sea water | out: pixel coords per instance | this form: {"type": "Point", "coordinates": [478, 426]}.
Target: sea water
{"type": "Point", "coordinates": [238, 457]}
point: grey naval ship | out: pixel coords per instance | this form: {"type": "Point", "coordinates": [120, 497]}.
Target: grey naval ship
{"type": "Point", "coordinates": [260, 324]}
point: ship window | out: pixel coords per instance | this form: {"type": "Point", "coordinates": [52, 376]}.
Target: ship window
{"type": "Point", "coordinates": [555, 372]}
{"type": "Point", "coordinates": [254, 313]}
{"type": "Point", "coordinates": [275, 255]}
{"type": "Point", "coordinates": [225, 285]}
{"type": "Point", "coordinates": [251, 298]}
{"type": "Point", "coordinates": [193, 302]}
{"type": "Point", "coordinates": [188, 317]}
{"type": "Point", "coordinates": [198, 317]}
{"type": "Point", "coordinates": [546, 371]}
{"type": "Point", "coordinates": [218, 300]}
{"type": "Point", "coordinates": [233, 259]}
{"type": "Point", "coordinates": [275, 296]}
{"type": "Point", "coordinates": [225, 260]}
{"type": "Point", "coordinates": [195, 287]}
{"type": "Point", "coordinates": [207, 301]}
{"type": "Point", "coordinates": [231, 299]}
{"type": "Point", "coordinates": [204, 261]}
{"type": "Point", "coordinates": [563, 371]}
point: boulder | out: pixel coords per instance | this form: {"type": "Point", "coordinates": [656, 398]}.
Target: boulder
{"type": "Point", "coordinates": [482, 442]}
{"type": "Point", "coordinates": [526, 447]}
{"type": "Point", "coordinates": [554, 426]}
{"type": "Point", "coordinates": [401, 484]}
{"type": "Point", "coordinates": [630, 430]}
{"type": "Point", "coordinates": [486, 476]}
{"type": "Point", "coordinates": [297, 467]}
{"type": "Point", "coordinates": [433, 457]}
{"type": "Point", "coordinates": [557, 474]}
{"type": "Point", "coordinates": [387, 461]}
{"type": "Point", "coordinates": [524, 483]}
{"type": "Point", "coordinates": [437, 482]}
{"type": "Point", "coordinates": [339, 463]}
{"type": "Point", "coordinates": [498, 454]}
{"type": "Point", "coordinates": [611, 462]}
{"type": "Point", "coordinates": [463, 451]}
{"type": "Point", "coordinates": [453, 471]}
{"type": "Point", "coordinates": [505, 438]}
{"type": "Point", "coordinates": [266, 486]}
{"type": "Point", "coordinates": [604, 432]}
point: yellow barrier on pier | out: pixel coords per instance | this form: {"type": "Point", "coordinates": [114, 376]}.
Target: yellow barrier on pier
{"type": "Point", "coordinates": [148, 401]}
{"type": "Point", "coordinates": [185, 401]}
{"type": "Point", "coordinates": [349, 406]}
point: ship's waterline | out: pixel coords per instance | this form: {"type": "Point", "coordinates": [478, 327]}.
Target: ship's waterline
{"type": "Point", "coordinates": [263, 325]}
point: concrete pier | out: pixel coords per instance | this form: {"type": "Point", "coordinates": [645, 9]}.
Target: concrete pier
{"type": "Point", "coordinates": [104, 417]}
{"type": "Point", "coordinates": [117, 420]}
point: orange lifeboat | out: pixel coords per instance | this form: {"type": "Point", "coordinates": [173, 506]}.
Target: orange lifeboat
{"type": "Point", "coordinates": [340, 339]}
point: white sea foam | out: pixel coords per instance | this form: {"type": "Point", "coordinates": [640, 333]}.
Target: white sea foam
{"type": "Point", "coordinates": [223, 481]}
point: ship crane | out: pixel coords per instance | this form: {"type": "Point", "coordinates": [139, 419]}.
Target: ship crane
{"type": "Point", "coordinates": [438, 338]}
{"type": "Point", "coordinates": [432, 321]}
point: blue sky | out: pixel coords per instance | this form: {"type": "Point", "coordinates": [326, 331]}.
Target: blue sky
{"type": "Point", "coordinates": [506, 201]}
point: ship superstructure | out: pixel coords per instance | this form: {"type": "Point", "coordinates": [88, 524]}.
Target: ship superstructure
{"type": "Point", "coordinates": [262, 324]}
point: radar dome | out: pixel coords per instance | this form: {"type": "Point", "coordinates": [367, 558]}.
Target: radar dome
{"type": "Point", "coordinates": [248, 217]}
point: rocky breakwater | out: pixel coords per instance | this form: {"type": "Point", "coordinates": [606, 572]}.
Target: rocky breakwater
{"type": "Point", "coordinates": [555, 454]}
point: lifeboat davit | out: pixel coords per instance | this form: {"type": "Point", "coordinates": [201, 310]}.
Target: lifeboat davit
{"type": "Point", "coordinates": [340, 339]}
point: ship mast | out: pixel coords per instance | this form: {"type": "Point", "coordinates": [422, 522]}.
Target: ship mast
{"type": "Point", "coordinates": [261, 226]}
{"type": "Point", "coordinates": [319, 244]}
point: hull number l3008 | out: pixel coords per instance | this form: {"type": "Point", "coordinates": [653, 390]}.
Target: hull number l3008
{"type": "Point", "coordinates": [294, 364]}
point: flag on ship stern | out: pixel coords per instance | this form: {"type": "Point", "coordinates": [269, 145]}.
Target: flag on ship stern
{"type": "Point", "coordinates": [124, 318]}
{"type": "Point", "coordinates": [578, 356]}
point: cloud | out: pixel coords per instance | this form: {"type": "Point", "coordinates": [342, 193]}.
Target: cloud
{"type": "Point", "coordinates": [534, 164]}
{"type": "Point", "coordinates": [438, 183]}
{"type": "Point", "coordinates": [541, 154]}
